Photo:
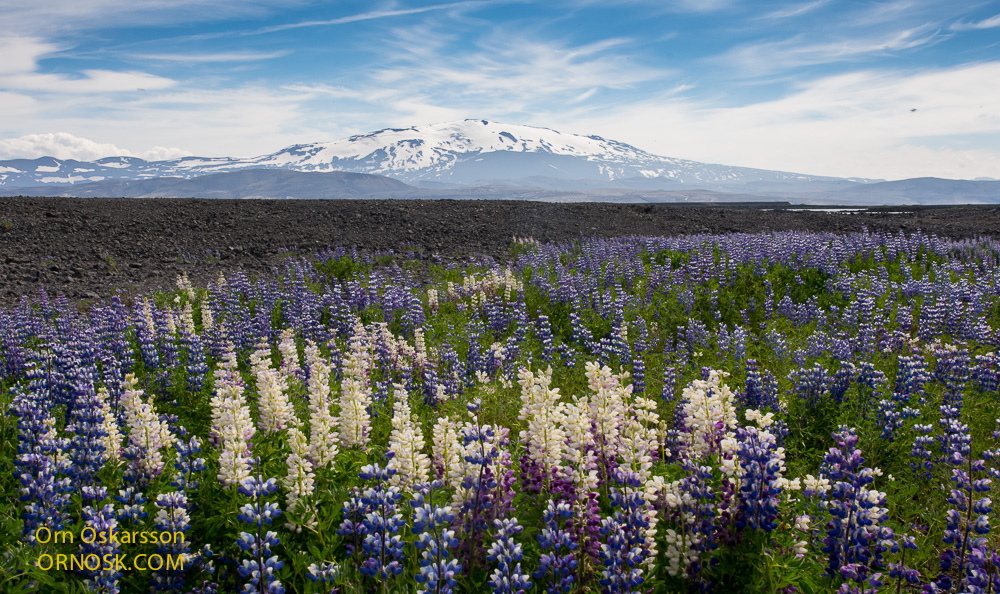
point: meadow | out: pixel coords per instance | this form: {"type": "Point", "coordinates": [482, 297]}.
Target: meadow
{"type": "Point", "coordinates": [771, 412]}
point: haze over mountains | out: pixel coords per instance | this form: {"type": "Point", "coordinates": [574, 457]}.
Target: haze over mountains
{"type": "Point", "coordinates": [468, 159]}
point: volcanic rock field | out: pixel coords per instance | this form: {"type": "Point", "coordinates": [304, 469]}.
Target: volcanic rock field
{"type": "Point", "coordinates": [92, 248]}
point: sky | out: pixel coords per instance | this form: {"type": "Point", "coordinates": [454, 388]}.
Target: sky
{"type": "Point", "coordinates": [886, 89]}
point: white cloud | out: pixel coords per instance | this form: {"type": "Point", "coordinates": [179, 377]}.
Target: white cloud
{"type": "Point", "coordinates": [755, 59]}
{"type": "Point", "coordinates": [506, 72]}
{"type": "Point", "coordinates": [990, 23]}
{"type": "Point", "coordinates": [55, 16]}
{"type": "Point", "coordinates": [857, 124]}
{"type": "Point", "coordinates": [214, 57]}
{"type": "Point", "coordinates": [796, 10]}
{"type": "Point", "coordinates": [375, 14]}
{"type": "Point", "coordinates": [62, 145]}
{"type": "Point", "coordinates": [20, 72]}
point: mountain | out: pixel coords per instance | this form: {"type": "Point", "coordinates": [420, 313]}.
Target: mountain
{"type": "Point", "coordinates": [467, 153]}
{"type": "Point", "coordinates": [469, 159]}
{"type": "Point", "coordinates": [251, 183]}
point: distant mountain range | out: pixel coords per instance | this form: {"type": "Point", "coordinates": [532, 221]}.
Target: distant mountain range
{"type": "Point", "coordinates": [467, 159]}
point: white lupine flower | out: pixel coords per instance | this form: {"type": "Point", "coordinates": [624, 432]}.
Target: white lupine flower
{"type": "Point", "coordinates": [325, 440]}
{"type": "Point", "coordinates": [794, 484]}
{"type": "Point", "coordinates": [234, 467]}
{"type": "Point", "coordinates": [290, 367]}
{"type": "Point", "coordinates": [580, 460]}
{"type": "Point", "coordinates": [276, 412]}
{"type": "Point", "coordinates": [355, 395]}
{"type": "Point", "coordinates": [145, 429]}
{"type": "Point", "coordinates": [406, 441]}
{"type": "Point", "coordinates": [419, 348]}
{"type": "Point", "coordinates": [544, 434]}
{"type": "Point", "coordinates": [147, 318]}
{"type": "Point", "coordinates": [707, 406]}
{"type": "Point", "coordinates": [187, 318]}
{"type": "Point", "coordinates": [607, 405]}
{"type": "Point", "coordinates": [234, 428]}
{"type": "Point", "coordinates": [207, 320]}
{"type": "Point", "coordinates": [300, 480]}
{"type": "Point", "coordinates": [446, 453]}
{"type": "Point", "coordinates": [763, 421]}
{"type": "Point", "coordinates": [184, 284]}
{"type": "Point", "coordinates": [816, 485]}
{"type": "Point", "coordinates": [112, 439]}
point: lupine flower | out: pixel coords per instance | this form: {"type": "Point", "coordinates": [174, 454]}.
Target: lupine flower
{"type": "Point", "coordinates": [172, 518]}
{"type": "Point", "coordinates": [355, 398]}
{"type": "Point", "coordinates": [300, 481]}
{"type": "Point", "coordinates": [855, 510]}
{"type": "Point", "coordinates": [148, 434]}
{"type": "Point", "coordinates": [260, 567]}
{"type": "Point", "coordinates": [544, 437]}
{"type": "Point", "coordinates": [382, 547]}
{"type": "Point", "coordinates": [762, 463]}
{"type": "Point", "coordinates": [625, 550]}
{"type": "Point", "coordinates": [558, 564]}
{"type": "Point", "coordinates": [187, 464]}
{"type": "Point", "coordinates": [233, 427]}
{"type": "Point", "coordinates": [276, 412]}
{"type": "Point", "coordinates": [708, 414]}
{"type": "Point", "coordinates": [435, 541]}
{"type": "Point", "coordinates": [406, 442]}
{"type": "Point", "coordinates": [506, 554]}
{"type": "Point", "coordinates": [323, 573]}
{"type": "Point", "coordinates": [104, 577]}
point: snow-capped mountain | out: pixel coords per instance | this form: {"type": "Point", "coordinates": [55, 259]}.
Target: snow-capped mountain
{"type": "Point", "coordinates": [464, 153]}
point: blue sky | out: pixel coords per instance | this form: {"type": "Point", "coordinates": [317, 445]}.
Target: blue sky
{"type": "Point", "coordinates": [888, 89]}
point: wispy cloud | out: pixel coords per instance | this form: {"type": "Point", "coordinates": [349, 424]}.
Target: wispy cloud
{"type": "Point", "coordinates": [755, 59]}
{"type": "Point", "coordinates": [795, 10]}
{"type": "Point", "coordinates": [990, 23]}
{"type": "Point", "coordinates": [373, 15]}
{"type": "Point", "coordinates": [202, 58]}
{"type": "Point", "coordinates": [52, 16]}
{"type": "Point", "coordinates": [508, 69]}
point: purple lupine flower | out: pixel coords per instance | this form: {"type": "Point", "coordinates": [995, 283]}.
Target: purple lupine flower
{"type": "Point", "coordinates": [855, 509]}
{"type": "Point", "coordinates": [759, 489]}
{"type": "Point", "coordinates": [481, 483]}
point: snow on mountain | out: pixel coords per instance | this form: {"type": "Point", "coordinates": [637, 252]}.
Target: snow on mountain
{"type": "Point", "coordinates": [464, 153]}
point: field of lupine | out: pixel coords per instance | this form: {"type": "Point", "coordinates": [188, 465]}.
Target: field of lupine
{"type": "Point", "coordinates": [787, 412]}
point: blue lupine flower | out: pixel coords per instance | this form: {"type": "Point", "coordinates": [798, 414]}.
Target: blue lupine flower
{"type": "Point", "coordinates": [507, 577]}
{"type": "Point", "coordinates": [434, 540]}
{"type": "Point", "coordinates": [558, 564]}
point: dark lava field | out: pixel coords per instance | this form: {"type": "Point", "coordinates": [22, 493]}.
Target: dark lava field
{"type": "Point", "coordinates": [91, 248]}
